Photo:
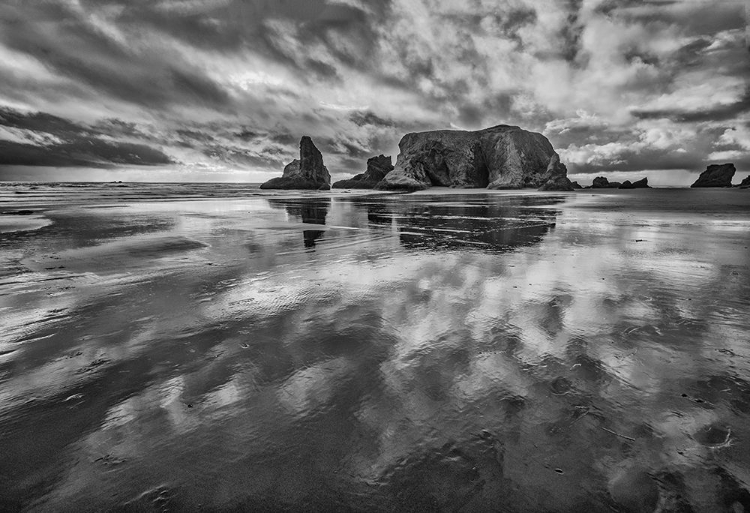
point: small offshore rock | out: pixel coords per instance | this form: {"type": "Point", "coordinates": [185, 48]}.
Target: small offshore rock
{"type": "Point", "coordinates": [377, 168]}
{"type": "Point", "coordinates": [638, 184]}
{"type": "Point", "coordinates": [601, 182]}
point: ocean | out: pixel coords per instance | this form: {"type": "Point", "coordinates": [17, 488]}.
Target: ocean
{"type": "Point", "coordinates": [175, 347]}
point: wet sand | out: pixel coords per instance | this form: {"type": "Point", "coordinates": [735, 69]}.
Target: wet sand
{"type": "Point", "coordinates": [215, 347]}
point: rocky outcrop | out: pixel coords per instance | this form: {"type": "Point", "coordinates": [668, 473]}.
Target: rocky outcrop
{"type": "Point", "coordinates": [501, 157]}
{"type": "Point", "coordinates": [556, 176]}
{"type": "Point", "coordinates": [638, 184]}
{"type": "Point", "coordinates": [717, 175]}
{"type": "Point", "coordinates": [601, 182]}
{"type": "Point", "coordinates": [745, 184]}
{"type": "Point", "coordinates": [377, 168]}
{"type": "Point", "coordinates": [576, 185]}
{"type": "Point", "coordinates": [306, 173]}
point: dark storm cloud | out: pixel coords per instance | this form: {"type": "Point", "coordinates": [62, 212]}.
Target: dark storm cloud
{"type": "Point", "coordinates": [572, 31]}
{"type": "Point", "coordinates": [94, 153]}
{"type": "Point", "coordinates": [370, 118]}
{"type": "Point", "coordinates": [41, 122]}
{"type": "Point", "coordinates": [118, 128]}
{"type": "Point", "coordinates": [46, 140]}
{"type": "Point", "coordinates": [634, 161]}
{"type": "Point", "coordinates": [75, 47]}
{"type": "Point", "coordinates": [246, 134]}
{"type": "Point", "coordinates": [195, 135]}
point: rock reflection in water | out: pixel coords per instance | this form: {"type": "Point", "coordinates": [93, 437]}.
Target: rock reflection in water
{"type": "Point", "coordinates": [467, 221]}
{"type": "Point", "coordinates": [308, 210]}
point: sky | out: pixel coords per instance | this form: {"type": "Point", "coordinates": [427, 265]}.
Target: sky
{"type": "Point", "coordinates": [223, 90]}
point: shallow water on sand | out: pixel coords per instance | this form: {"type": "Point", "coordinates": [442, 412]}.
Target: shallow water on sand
{"type": "Point", "coordinates": [221, 348]}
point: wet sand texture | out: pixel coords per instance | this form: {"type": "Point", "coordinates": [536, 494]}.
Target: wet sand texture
{"type": "Point", "coordinates": [223, 349]}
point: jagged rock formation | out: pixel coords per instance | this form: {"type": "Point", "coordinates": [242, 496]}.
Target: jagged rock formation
{"type": "Point", "coordinates": [638, 184]}
{"type": "Point", "coordinates": [576, 185]}
{"type": "Point", "coordinates": [556, 177]}
{"type": "Point", "coordinates": [717, 175]}
{"type": "Point", "coordinates": [306, 173]}
{"type": "Point", "coordinates": [501, 157]}
{"type": "Point", "coordinates": [377, 168]}
{"type": "Point", "coordinates": [601, 182]}
{"type": "Point", "coordinates": [745, 184]}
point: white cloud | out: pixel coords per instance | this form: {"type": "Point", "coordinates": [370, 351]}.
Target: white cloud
{"type": "Point", "coordinates": [726, 155]}
{"type": "Point", "coordinates": [25, 136]}
{"type": "Point", "coordinates": [739, 135]}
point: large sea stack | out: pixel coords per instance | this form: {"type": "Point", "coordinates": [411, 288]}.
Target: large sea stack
{"type": "Point", "coordinates": [306, 173]}
{"type": "Point", "coordinates": [501, 157]}
{"type": "Point", "coordinates": [717, 175]}
{"type": "Point", "coordinates": [377, 168]}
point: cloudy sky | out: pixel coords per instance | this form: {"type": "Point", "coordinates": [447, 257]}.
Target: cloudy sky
{"type": "Point", "coordinates": [222, 90]}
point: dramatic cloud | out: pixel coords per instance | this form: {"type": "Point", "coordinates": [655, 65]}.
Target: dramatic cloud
{"type": "Point", "coordinates": [225, 88]}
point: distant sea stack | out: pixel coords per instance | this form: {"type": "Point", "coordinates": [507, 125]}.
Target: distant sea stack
{"type": "Point", "coordinates": [306, 173]}
{"type": "Point", "coordinates": [638, 184]}
{"type": "Point", "coordinates": [501, 157]}
{"type": "Point", "coordinates": [717, 175]}
{"type": "Point", "coordinates": [377, 168]}
{"type": "Point", "coordinates": [745, 184]}
{"type": "Point", "coordinates": [601, 182]}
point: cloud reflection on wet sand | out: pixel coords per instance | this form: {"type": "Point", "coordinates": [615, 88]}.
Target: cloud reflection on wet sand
{"type": "Point", "coordinates": [485, 352]}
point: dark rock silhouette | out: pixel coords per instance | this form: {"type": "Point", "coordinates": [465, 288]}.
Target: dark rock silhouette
{"type": "Point", "coordinates": [601, 182]}
{"type": "Point", "coordinates": [576, 185]}
{"type": "Point", "coordinates": [556, 177]}
{"type": "Point", "coordinates": [306, 173]}
{"type": "Point", "coordinates": [377, 168]}
{"type": "Point", "coordinates": [716, 175]}
{"type": "Point", "coordinates": [638, 184]}
{"type": "Point", "coordinates": [501, 157]}
{"type": "Point", "coordinates": [745, 184]}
